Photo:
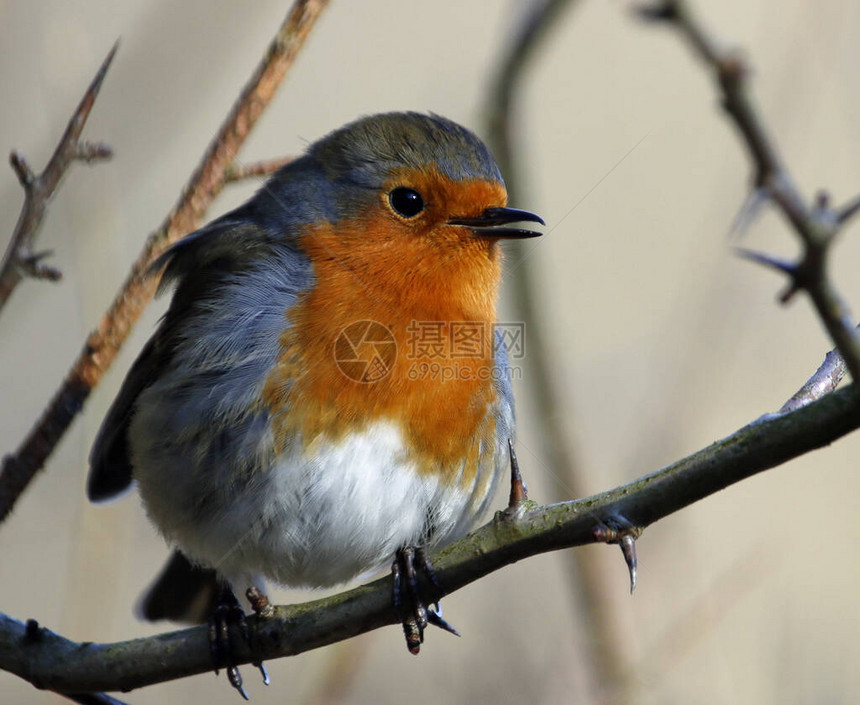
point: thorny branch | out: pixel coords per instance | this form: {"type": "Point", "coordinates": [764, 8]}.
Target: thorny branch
{"type": "Point", "coordinates": [816, 224]}
{"type": "Point", "coordinates": [103, 344]}
{"type": "Point", "coordinates": [50, 661]}
{"type": "Point", "coordinates": [20, 260]}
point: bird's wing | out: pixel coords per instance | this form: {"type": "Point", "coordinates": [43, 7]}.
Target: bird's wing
{"type": "Point", "coordinates": [187, 262]}
{"type": "Point", "coordinates": [110, 465]}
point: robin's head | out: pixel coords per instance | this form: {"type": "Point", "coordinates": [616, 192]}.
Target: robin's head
{"type": "Point", "coordinates": [420, 175]}
{"type": "Point", "coordinates": [403, 201]}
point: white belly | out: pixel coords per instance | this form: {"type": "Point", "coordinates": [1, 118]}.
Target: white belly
{"type": "Point", "coordinates": [324, 520]}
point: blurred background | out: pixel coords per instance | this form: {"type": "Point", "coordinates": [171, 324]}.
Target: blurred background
{"type": "Point", "coordinates": [659, 340]}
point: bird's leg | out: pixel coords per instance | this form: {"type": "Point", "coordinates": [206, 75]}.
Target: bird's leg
{"type": "Point", "coordinates": [415, 616]}
{"type": "Point", "coordinates": [262, 608]}
{"type": "Point", "coordinates": [229, 612]}
{"type": "Point", "coordinates": [415, 619]}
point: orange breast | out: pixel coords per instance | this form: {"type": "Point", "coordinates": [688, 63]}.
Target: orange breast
{"type": "Point", "coordinates": [427, 363]}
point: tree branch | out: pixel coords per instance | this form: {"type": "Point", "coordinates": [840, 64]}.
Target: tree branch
{"type": "Point", "coordinates": [238, 171]}
{"type": "Point", "coordinates": [19, 260]}
{"type": "Point", "coordinates": [50, 661]}
{"type": "Point", "coordinates": [103, 344]}
{"type": "Point", "coordinates": [815, 224]}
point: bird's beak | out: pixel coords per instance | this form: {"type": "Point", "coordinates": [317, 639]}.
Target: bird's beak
{"type": "Point", "coordinates": [488, 223]}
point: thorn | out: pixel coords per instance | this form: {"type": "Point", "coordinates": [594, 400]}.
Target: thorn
{"type": "Point", "coordinates": [665, 11]}
{"type": "Point", "coordinates": [788, 293]}
{"type": "Point", "coordinates": [619, 530]}
{"type": "Point", "coordinates": [32, 631]}
{"type": "Point", "coordinates": [628, 548]}
{"type": "Point", "coordinates": [733, 67]}
{"type": "Point", "coordinates": [51, 274]}
{"type": "Point", "coordinates": [30, 265]}
{"type": "Point", "coordinates": [93, 151]}
{"type": "Point", "coordinates": [32, 258]}
{"type": "Point", "coordinates": [750, 210]}
{"type": "Point", "coordinates": [96, 84]}
{"type": "Point", "coordinates": [848, 211]}
{"type": "Point", "coordinates": [784, 266]}
{"type": "Point", "coordinates": [69, 146]}
{"type": "Point", "coordinates": [519, 491]}
{"type": "Point", "coordinates": [25, 174]}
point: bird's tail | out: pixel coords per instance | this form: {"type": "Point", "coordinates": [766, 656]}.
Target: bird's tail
{"type": "Point", "coordinates": [182, 592]}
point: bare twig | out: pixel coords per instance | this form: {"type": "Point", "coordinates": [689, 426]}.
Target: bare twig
{"type": "Point", "coordinates": [206, 182]}
{"type": "Point", "coordinates": [55, 663]}
{"type": "Point", "coordinates": [594, 603]}
{"type": "Point", "coordinates": [238, 171]}
{"type": "Point", "coordinates": [816, 224]}
{"type": "Point", "coordinates": [19, 260]}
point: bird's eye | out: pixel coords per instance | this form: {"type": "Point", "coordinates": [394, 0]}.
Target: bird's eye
{"type": "Point", "coordinates": [406, 201]}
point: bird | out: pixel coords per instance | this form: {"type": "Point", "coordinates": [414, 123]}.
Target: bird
{"type": "Point", "coordinates": [329, 391]}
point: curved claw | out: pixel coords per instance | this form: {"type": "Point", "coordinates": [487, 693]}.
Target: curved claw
{"type": "Point", "coordinates": [434, 617]}
{"type": "Point", "coordinates": [235, 679]}
{"type": "Point", "coordinates": [416, 616]}
{"type": "Point", "coordinates": [228, 611]}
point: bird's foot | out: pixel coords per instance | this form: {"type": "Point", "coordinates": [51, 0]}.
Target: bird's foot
{"type": "Point", "coordinates": [228, 612]}
{"type": "Point", "coordinates": [408, 604]}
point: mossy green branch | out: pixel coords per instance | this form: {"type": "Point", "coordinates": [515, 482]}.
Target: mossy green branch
{"type": "Point", "coordinates": [50, 661]}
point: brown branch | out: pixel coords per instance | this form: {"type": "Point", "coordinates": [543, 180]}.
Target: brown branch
{"type": "Point", "coordinates": [19, 260]}
{"type": "Point", "coordinates": [55, 663]}
{"type": "Point", "coordinates": [206, 182]}
{"type": "Point", "coordinates": [238, 171]}
{"type": "Point", "coordinates": [816, 224]}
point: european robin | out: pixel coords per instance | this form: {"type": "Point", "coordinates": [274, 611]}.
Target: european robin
{"type": "Point", "coordinates": [327, 390]}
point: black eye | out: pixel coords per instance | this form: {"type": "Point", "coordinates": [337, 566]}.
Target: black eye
{"type": "Point", "coordinates": [406, 201]}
